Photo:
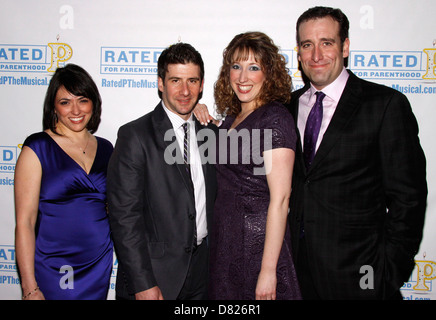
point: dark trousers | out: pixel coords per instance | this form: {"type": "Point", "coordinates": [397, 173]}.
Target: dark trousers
{"type": "Point", "coordinates": [195, 286]}
{"type": "Point", "coordinates": [305, 279]}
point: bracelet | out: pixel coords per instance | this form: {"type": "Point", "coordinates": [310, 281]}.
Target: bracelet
{"type": "Point", "coordinates": [28, 295]}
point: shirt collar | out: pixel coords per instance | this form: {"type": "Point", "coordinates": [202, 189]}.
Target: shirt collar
{"type": "Point", "coordinates": [333, 90]}
{"type": "Point", "coordinates": [176, 120]}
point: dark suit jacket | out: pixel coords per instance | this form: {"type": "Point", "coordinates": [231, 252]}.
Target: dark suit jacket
{"type": "Point", "coordinates": [364, 198]}
{"type": "Point", "coordinates": [151, 208]}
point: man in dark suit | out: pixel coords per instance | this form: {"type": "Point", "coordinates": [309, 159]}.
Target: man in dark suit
{"type": "Point", "coordinates": [159, 206]}
{"type": "Point", "coordinates": [358, 204]}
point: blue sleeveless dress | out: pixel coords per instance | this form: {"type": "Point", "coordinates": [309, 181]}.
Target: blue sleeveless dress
{"type": "Point", "coordinates": [74, 251]}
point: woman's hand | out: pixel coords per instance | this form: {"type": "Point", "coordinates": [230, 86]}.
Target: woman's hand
{"type": "Point", "coordinates": [266, 285]}
{"type": "Point", "coordinates": [202, 114]}
{"type": "Point", "coordinates": [35, 294]}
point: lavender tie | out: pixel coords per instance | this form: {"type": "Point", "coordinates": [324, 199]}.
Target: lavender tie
{"type": "Point", "coordinates": [311, 131]}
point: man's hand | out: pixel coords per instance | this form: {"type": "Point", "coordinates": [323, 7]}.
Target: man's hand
{"type": "Point", "coordinates": [150, 294]}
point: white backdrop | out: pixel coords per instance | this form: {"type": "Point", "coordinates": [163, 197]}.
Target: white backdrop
{"type": "Point", "coordinates": [118, 43]}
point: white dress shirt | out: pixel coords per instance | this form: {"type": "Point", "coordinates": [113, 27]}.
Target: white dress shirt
{"type": "Point", "coordinates": [196, 169]}
{"type": "Point", "coordinates": [333, 93]}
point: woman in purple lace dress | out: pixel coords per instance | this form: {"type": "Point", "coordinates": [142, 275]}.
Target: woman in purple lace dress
{"type": "Point", "coordinates": [250, 243]}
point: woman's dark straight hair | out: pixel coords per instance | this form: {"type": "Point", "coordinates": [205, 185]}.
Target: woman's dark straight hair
{"type": "Point", "coordinates": [78, 82]}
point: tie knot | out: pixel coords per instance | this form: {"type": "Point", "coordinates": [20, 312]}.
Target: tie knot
{"type": "Point", "coordinates": [319, 96]}
{"type": "Point", "coordinates": [185, 126]}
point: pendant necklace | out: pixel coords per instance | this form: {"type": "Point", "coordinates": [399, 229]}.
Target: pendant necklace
{"type": "Point", "coordinates": [81, 149]}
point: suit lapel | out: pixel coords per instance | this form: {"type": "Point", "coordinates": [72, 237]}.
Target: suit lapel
{"type": "Point", "coordinates": [163, 125]}
{"type": "Point", "coordinates": [346, 108]}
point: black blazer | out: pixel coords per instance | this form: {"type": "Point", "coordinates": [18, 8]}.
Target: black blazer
{"type": "Point", "coordinates": [151, 208]}
{"type": "Point", "coordinates": [364, 197]}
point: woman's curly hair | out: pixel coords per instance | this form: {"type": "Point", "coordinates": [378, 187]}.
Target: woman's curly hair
{"type": "Point", "coordinates": [277, 85]}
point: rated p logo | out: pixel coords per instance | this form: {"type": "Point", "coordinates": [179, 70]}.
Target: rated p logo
{"type": "Point", "coordinates": [426, 271]}
{"type": "Point", "coordinates": [431, 64]}
{"type": "Point", "coordinates": [60, 52]}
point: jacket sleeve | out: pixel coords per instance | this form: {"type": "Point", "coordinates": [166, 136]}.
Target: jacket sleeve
{"type": "Point", "coordinates": [404, 177]}
{"type": "Point", "coordinates": [125, 193]}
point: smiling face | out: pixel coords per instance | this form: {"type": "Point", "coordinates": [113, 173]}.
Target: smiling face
{"type": "Point", "coordinates": [73, 112]}
{"type": "Point", "coordinates": [320, 51]}
{"type": "Point", "coordinates": [246, 79]}
{"type": "Point", "coordinates": [181, 88]}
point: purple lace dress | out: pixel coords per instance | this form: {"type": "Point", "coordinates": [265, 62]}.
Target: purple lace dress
{"type": "Point", "coordinates": [238, 232]}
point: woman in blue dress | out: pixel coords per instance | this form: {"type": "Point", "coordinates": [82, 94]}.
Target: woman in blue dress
{"type": "Point", "coordinates": [63, 243]}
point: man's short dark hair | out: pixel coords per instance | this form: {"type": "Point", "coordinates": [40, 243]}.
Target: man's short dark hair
{"type": "Point", "coordinates": [322, 12]}
{"type": "Point", "coordinates": [179, 53]}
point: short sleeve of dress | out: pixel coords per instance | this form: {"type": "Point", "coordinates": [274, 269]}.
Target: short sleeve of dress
{"type": "Point", "coordinates": [38, 143]}
{"type": "Point", "coordinates": [278, 127]}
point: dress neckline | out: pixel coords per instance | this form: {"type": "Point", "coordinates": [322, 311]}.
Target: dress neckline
{"type": "Point", "coordinates": [74, 161]}
{"type": "Point", "coordinates": [229, 130]}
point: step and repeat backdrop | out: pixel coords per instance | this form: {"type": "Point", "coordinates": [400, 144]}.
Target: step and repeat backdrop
{"type": "Point", "coordinates": [119, 42]}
